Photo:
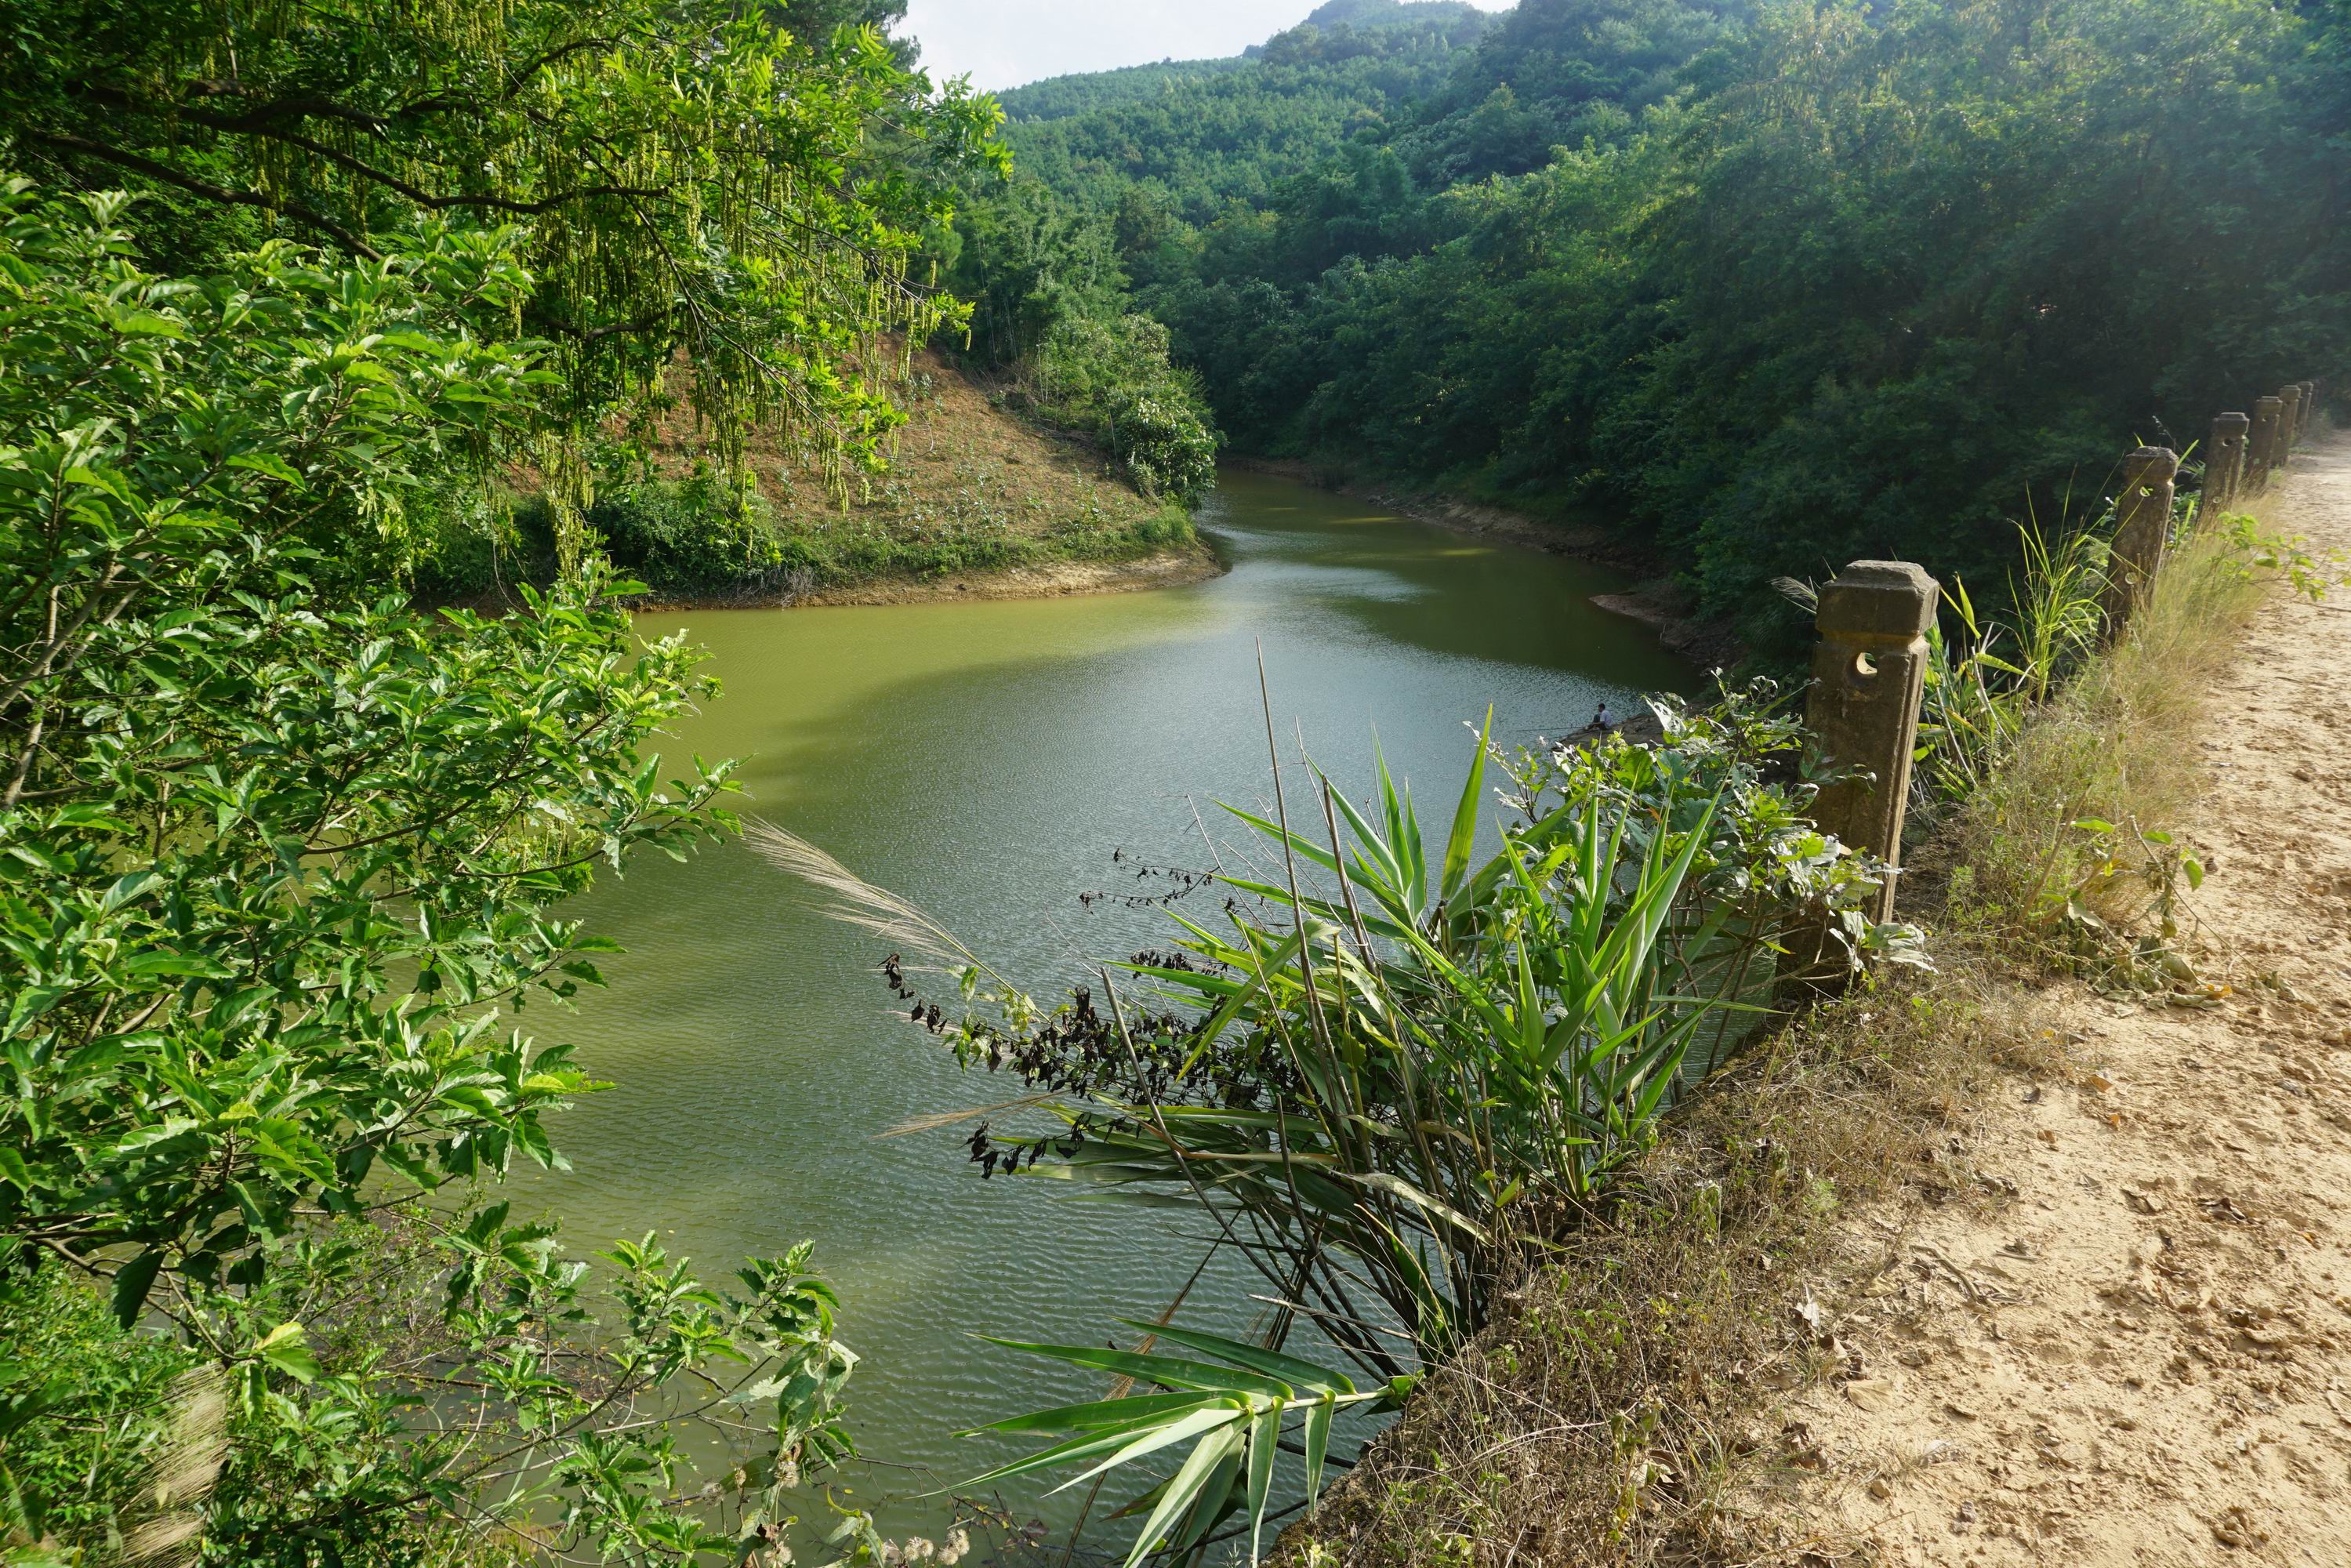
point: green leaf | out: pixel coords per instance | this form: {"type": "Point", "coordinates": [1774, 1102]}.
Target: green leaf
{"type": "Point", "coordinates": [146, 324]}
{"type": "Point", "coordinates": [267, 462]}
{"type": "Point", "coordinates": [1317, 1445]}
{"type": "Point", "coordinates": [131, 1283]}
{"type": "Point", "coordinates": [163, 965]}
{"type": "Point", "coordinates": [1098, 1414]}
{"type": "Point", "coordinates": [286, 1348]}
{"type": "Point", "coordinates": [1288, 1369]}
{"type": "Point", "coordinates": [1264, 1439]}
{"type": "Point", "coordinates": [125, 889]}
{"type": "Point", "coordinates": [1184, 1487]}
{"type": "Point", "coordinates": [1222, 1416]}
{"type": "Point", "coordinates": [1458, 843]}
{"type": "Point", "coordinates": [1159, 1369]}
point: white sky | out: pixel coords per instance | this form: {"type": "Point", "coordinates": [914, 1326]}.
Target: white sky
{"type": "Point", "coordinates": [1005, 43]}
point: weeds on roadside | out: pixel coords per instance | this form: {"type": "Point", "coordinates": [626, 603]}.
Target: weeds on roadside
{"type": "Point", "coordinates": [2062, 854]}
{"type": "Point", "coordinates": [1608, 1414]}
{"type": "Point", "coordinates": [2032, 749]}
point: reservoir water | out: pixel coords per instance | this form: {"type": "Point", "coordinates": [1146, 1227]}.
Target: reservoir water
{"type": "Point", "coordinates": [985, 759]}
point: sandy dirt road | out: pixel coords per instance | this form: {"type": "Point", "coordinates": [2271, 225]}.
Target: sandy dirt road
{"type": "Point", "coordinates": [2142, 1355]}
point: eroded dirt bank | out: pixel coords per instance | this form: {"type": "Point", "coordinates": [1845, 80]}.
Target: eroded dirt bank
{"type": "Point", "coordinates": [2140, 1351]}
{"type": "Point", "coordinates": [1169, 569]}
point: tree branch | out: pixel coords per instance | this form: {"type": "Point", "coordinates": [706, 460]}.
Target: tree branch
{"type": "Point", "coordinates": [168, 175]}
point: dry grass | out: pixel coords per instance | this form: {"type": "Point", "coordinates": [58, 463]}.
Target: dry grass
{"type": "Point", "coordinates": [2110, 746]}
{"type": "Point", "coordinates": [1607, 1415]}
{"type": "Point", "coordinates": [958, 457]}
{"type": "Point", "coordinates": [1601, 1418]}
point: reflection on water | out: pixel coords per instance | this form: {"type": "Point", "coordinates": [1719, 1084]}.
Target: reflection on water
{"type": "Point", "coordinates": [985, 759]}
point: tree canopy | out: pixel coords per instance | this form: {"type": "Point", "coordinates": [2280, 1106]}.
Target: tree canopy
{"type": "Point", "coordinates": [1766, 286]}
{"type": "Point", "coordinates": [284, 856]}
{"type": "Point", "coordinates": [690, 180]}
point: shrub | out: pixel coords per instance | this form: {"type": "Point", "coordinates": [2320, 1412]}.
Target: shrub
{"type": "Point", "coordinates": [1113, 378]}
{"type": "Point", "coordinates": [1400, 1071]}
{"type": "Point", "coordinates": [685, 536]}
{"type": "Point", "coordinates": [276, 852]}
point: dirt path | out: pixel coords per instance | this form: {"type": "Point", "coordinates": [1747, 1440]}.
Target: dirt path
{"type": "Point", "coordinates": [2142, 1357]}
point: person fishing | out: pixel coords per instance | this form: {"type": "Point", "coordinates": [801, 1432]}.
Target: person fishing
{"type": "Point", "coordinates": [1604, 721]}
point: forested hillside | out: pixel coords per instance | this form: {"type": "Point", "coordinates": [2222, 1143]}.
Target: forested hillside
{"type": "Point", "coordinates": [1769, 285]}
{"type": "Point", "coordinates": [1196, 134]}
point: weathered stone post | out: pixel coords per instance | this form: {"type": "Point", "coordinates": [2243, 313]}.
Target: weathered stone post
{"type": "Point", "coordinates": [2142, 528]}
{"type": "Point", "coordinates": [2290, 421]}
{"type": "Point", "coordinates": [2224, 466]}
{"type": "Point", "coordinates": [2261, 447]}
{"type": "Point", "coordinates": [2309, 411]}
{"type": "Point", "coordinates": [1869, 672]}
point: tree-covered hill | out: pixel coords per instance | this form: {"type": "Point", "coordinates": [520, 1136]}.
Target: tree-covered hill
{"type": "Point", "coordinates": [1193, 135]}
{"type": "Point", "coordinates": [1771, 285]}
{"type": "Point", "coordinates": [1060, 98]}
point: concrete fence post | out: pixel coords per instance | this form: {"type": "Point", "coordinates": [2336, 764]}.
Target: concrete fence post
{"type": "Point", "coordinates": [1869, 673]}
{"type": "Point", "coordinates": [2261, 447]}
{"type": "Point", "coordinates": [2142, 528]}
{"type": "Point", "coordinates": [2289, 421]}
{"type": "Point", "coordinates": [2309, 410]}
{"type": "Point", "coordinates": [2224, 466]}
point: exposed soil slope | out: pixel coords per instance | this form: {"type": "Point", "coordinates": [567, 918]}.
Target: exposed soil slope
{"type": "Point", "coordinates": [976, 501]}
{"type": "Point", "coordinates": [2142, 1357]}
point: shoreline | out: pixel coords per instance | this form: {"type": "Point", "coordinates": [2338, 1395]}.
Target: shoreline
{"type": "Point", "coordinates": [1653, 602]}
{"type": "Point", "coordinates": [1046, 579]}
{"type": "Point", "coordinates": [1049, 580]}
{"type": "Point", "coordinates": [1710, 645]}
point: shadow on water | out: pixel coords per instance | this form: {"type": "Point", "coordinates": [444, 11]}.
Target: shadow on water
{"type": "Point", "coordinates": [985, 759]}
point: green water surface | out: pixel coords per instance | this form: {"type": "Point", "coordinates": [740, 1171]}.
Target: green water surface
{"type": "Point", "coordinates": [985, 759]}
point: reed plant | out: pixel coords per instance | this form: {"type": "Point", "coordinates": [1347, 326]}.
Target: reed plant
{"type": "Point", "coordinates": [1401, 1067]}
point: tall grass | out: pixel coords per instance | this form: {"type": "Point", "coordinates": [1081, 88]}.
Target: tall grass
{"type": "Point", "coordinates": [1987, 671]}
{"type": "Point", "coordinates": [2101, 755]}
{"type": "Point", "coordinates": [2049, 763]}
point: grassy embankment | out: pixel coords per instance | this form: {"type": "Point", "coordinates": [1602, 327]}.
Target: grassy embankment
{"type": "Point", "coordinates": [1611, 1413]}
{"type": "Point", "coordinates": [975, 500]}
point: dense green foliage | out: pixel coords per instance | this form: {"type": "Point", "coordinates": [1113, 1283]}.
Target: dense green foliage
{"type": "Point", "coordinates": [687, 540]}
{"type": "Point", "coordinates": [281, 856]}
{"type": "Point", "coordinates": [1052, 314]}
{"type": "Point", "coordinates": [280, 851]}
{"type": "Point", "coordinates": [1199, 135]}
{"type": "Point", "coordinates": [691, 180]}
{"type": "Point", "coordinates": [73, 1475]}
{"type": "Point", "coordinates": [1115, 171]}
{"type": "Point", "coordinates": [1773, 285]}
